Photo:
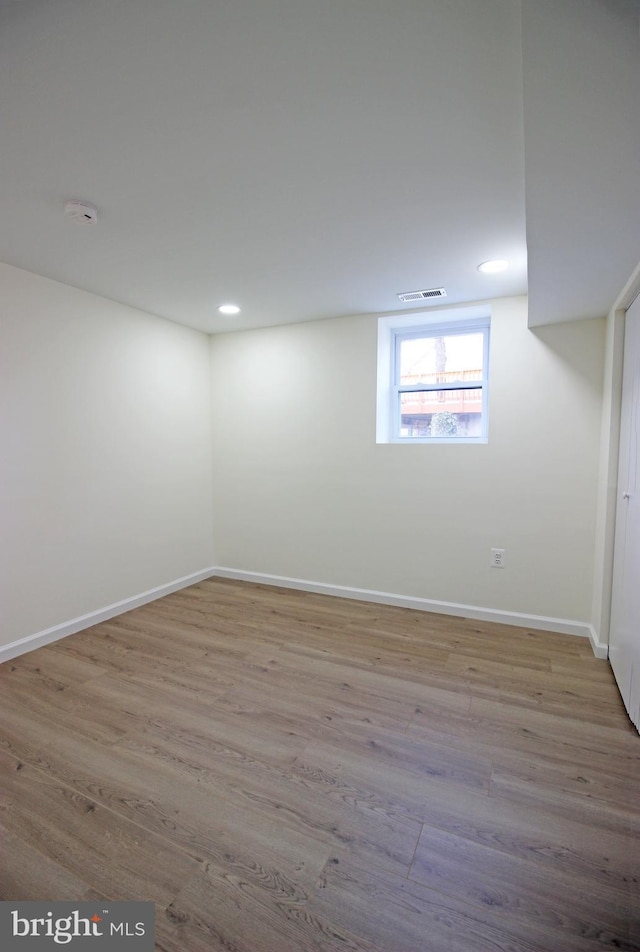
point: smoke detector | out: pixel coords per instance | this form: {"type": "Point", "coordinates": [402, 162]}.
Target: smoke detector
{"type": "Point", "coordinates": [81, 213]}
{"type": "Point", "coordinates": [407, 296]}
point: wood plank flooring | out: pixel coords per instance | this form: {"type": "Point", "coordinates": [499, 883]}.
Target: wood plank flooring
{"type": "Point", "coordinates": [287, 772]}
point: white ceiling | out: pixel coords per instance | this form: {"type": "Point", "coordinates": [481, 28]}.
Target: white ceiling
{"type": "Point", "coordinates": [312, 158]}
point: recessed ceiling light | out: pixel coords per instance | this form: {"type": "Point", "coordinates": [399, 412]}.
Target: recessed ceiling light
{"type": "Point", "coordinates": [229, 309]}
{"type": "Point", "coordinates": [493, 266]}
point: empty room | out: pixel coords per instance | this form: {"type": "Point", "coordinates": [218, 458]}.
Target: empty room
{"type": "Point", "coordinates": [319, 519]}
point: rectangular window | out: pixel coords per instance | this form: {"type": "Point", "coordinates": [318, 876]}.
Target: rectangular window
{"type": "Point", "coordinates": [436, 385]}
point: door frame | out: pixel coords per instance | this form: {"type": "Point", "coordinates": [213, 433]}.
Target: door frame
{"type": "Point", "coordinates": [608, 467]}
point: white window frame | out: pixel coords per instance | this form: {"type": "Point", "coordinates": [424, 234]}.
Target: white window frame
{"type": "Point", "coordinates": [395, 328]}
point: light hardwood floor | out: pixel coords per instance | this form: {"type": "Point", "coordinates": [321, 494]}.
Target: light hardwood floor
{"type": "Point", "coordinates": [286, 772]}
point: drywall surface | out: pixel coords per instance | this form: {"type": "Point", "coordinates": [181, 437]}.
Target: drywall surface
{"type": "Point", "coordinates": [302, 490]}
{"type": "Point", "coordinates": [105, 468]}
{"type": "Point", "coordinates": [581, 100]}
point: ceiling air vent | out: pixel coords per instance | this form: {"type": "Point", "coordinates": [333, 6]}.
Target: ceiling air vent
{"type": "Point", "coordinates": [407, 296]}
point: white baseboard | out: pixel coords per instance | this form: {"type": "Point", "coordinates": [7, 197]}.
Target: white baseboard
{"type": "Point", "coordinates": [600, 649]}
{"type": "Point", "coordinates": [521, 620]}
{"type": "Point", "coordinates": [47, 637]}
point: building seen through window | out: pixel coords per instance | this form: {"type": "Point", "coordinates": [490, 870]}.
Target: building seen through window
{"type": "Point", "coordinates": [430, 403]}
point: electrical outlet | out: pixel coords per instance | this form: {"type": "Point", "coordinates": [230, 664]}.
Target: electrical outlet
{"type": "Point", "coordinates": [497, 558]}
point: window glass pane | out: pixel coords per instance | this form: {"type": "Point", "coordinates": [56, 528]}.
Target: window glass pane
{"type": "Point", "coordinates": [441, 413]}
{"type": "Point", "coordinates": [441, 359]}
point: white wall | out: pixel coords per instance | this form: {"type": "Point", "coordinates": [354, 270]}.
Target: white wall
{"type": "Point", "coordinates": [302, 489]}
{"type": "Point", "coordinates": [105, 458]}
{"type": "Point", "coordinates": [106, 468]}
{"type": "Point", "coordinates": [581, 102]}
